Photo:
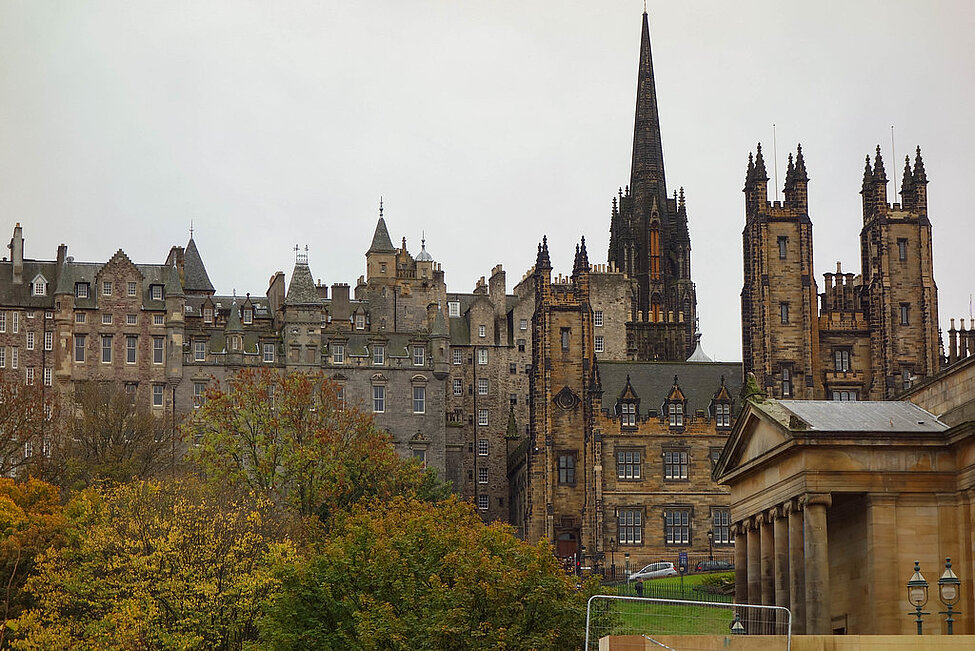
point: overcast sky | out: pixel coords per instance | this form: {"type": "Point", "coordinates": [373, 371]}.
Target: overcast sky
{"type": "Point", "coordinates": [484, 124]}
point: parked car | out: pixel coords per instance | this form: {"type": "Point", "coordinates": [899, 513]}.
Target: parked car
{"type": "Point", "coordinates": [654, 571]}
{"type": "Point", "coordinates": [714, 566]}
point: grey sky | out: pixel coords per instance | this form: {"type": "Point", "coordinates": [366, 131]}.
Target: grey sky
{"type": "Point", "coordinates": [486, 124]}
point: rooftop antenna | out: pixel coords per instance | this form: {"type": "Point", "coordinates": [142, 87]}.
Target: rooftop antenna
{"type": "Point", "coordinates": [191, 229]}
{"type": "Point", "coordinates": [775, 163]}
{"type": "Point", "coordinates": [893, 157]}
{"type": "Point", "coordinates": [644, 6]}
{"type": "Point", "coordinates": [380, 206]}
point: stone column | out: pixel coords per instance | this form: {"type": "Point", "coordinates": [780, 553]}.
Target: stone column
{"type": "Point", "coordinates": [797, 568]}
{"type": "Point", "coordinates": [741, 563]}
{"type": "Point", "coordinates": [780, 563]}
{"type": "Point", "coordinates": [884, 582]}
{"type": "Point", "coordinates": [768, 553]}
{"type": "Point", "coordinates": [816, 547]}
{"type": "Point", "coordinates": [754, 563]}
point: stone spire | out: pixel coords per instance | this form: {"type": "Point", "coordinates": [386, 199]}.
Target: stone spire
{"type": "Point", "coordinates": [647, 168]}
{"type": "Point", "coordinates": [542, 261]}
{"type": "Point", "coordinates": [195, 276]}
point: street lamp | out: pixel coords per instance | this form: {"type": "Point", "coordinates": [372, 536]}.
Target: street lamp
{"type": "Point", "coordinates": [612, 557]}
{"type": "Point", "coordinates": [949, 591]}
{"type": "Point", "coordinates": [626, 556]}
{"type": "Point", "coordinates": [710, 545]}
{"type": "Point", "coordinates": [917, 594]}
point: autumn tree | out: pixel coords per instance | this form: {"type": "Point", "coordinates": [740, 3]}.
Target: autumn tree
{"type": "Point", "coordinates": [408, 574]}
{"type": "Point", "coordinates": [154, 565]}
{"type": "Point", "coordinates": [291, 438]}
{"type": "Point", "coordinates": [31, 521]}
{"type": "Point", "coordinates": [107, 435]}
{"type": "Point", "coordinates": [28, 430]}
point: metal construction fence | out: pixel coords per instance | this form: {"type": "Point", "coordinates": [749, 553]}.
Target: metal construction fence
{"type": "Point", "coordinates": [660, 620]}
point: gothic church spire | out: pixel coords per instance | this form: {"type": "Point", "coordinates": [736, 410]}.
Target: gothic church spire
{"type": "Point", "coordinates": [647, 168]}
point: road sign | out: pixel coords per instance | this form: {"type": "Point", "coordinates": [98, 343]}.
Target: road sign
{"type": "Point", "coordinates": [682, 562]}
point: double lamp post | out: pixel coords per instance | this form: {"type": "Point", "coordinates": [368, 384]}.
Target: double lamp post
{"type": "Point", "coordinates": [949, 592]}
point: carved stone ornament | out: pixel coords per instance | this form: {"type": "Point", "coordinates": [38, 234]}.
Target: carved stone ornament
{"type": "Point", "coordinates": [566, 399]}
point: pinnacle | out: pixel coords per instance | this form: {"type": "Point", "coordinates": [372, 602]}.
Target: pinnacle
{"type": "Point", "coordinates": [867, 173]}
{"type": "Point", "coordinates": [800, 165]}
{"type": "Point", "coordinates": [879, 173]}
{"type": "Point", "coordinates": [919, 174]}
{"type": "Point", "coordinates": [761, 174]}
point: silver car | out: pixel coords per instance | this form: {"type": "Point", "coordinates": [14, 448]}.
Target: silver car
{"type": "Point", "coordinates": [654, 571]}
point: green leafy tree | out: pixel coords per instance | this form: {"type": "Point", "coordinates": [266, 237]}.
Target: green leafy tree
{"type": "Point", "coordinates": [31, 521]}
{"type": "Point", "coordinates": [155, 565]}
{"type": "Point", "coordinates": [291, 438]}
{"type": "Point", "coordinates": [408, 574]}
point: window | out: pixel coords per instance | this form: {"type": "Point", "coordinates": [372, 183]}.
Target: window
{"type": "Point", "coordinates": [80, 317]}
{"type": "Point", "coordinates": [39, 287]}
{"type": "Point", "coordinates": [382, 267]}
{"type": "Point", "coordinates": [79, 348]}
{"type": "Point", "coordinates": [630, 527]}
{"type": "Point", "coordinates": [482, 417]}
{"type": "Point", "coordinates": [234, 342]}
{"type": "Point", "coordinates": [131, 319]}
{"type": "Point", "coordinates": [482, 386]}
{"type": "Point", "coordinates": [786, 381]}
{"type": "Point", "coordinates": [715, 455]}
{"type": "Point", "coordinates": [419, 400]}
{"type": "Point", "coordinates": [3, 321]}
{"type": "Point", "coordinates": [513, 399]}
{"type": "Point", "coordinates": [482, 447]}
{"type": "Point", "coordinates": [483, 502]}
{"type": "Point", "coordinates": [419, 352]}
{"type": "Point", "coordinates": [30, 375]}
{"type": "Point", "coordinates": [157, 395]}
{"type": "Point", "coordinates": [107, 288]}
{"type": "Point", "coordinates": [199, 351]}
{"type": "Point", "coordinates": [378, 399]}
{"type": "Point", "coordinates": [340, 397]}
{"type": "Point", "coordinates": [158, 350]}
{"type": "Point", "coordinates": [841, 359]}
{"type": "Point", "coordinates": [130, 347]}
{"type": "Point", "coordinates": [14, 357]}
{"type": "Point", "coordinates": [523, 324]}
{"type": "Point", "coordinates": [3, 357]}
{"type": "Point", "coordinates": [49, 315]}
{"type": "Point", "coordinates": [722, 414]}
{"type": "Point", "coordinates": [458, 386]}
{"type": "Point", "coordinates": [30, 340]}
{"type": "Point", "coordinates": [28, 449]}
{"type": "Point", "coordinates": [628, 464]}
{"type": "Point", "coordinates": [905, 314]}
{"type": "Point", "coordinates": [453, 308]}
{"type": "Point", "coordinates": [360, 321]}
{"type": "Point", "coordinates": [15, 322]}
{"type": "Point", "coordinates": [131, 288]}
{"type": "Point", "coordinates": [907, 377]}
{"type": "Point", "coordinates": [844, 395]}
{"type": "Point", "coordinates": [482, 475]}
{"type": "Point", "coordinates": [721, 526]}
{"type": "Point", "coordinates": [106, 319]}
{"type": "Point", "coordinates": [567, 469]}
{"type": "Point", "coordinates": [784, 312]}
{"type": "Point", "coordinates": [597, 318]}
{"type": "Point", "coordinates": [599, 343]}
{"type": "Point", "coordinates": [81, 290]}
{"type": "Point", "coordinates": [199, 391]}
{"type": "Point", "coordinates": [481, 331]}
{"type": "Point", "coordinates": [482, 356]}
{"type": "Point", "coordinates": [457, 355]}
{"type": "Point", "coordinates": [106, 349]}
{"type": "Point", "coordinates": [156, 292]}
{"type": "Point", "coordinates": [207, 314]}
{"type": "Point", "coordinates": [247, 315]}
{"type": "Point", "coordinates": [158, 319]}
{"type": "Point", "coordinates": [675, 464]}
{"type": "Point", "coordinates": [677, 526]}
{"type": "Point", "coordinates": [565, 340]}
{"type": "Point", "coordinates": [676, 411]}
{"type": "Point", "coordinates": [521, 345]}
{"type": "Point", "coordinates": [268, 353]}
{"type": "Point", "coordinates": [45, 447]}
{"type": "Point", "coordinates": [513, 369]}
{"type": "Point", "coordinates": [628, 414]}
{"type": "Point", "coordinates": [783, 246]}
{"type": "Point", "coordinates": [378, 355]}
{"type": "Point", "coordinates": [338, 353]}
{"type": "Point", "coordinates": [902, 249]}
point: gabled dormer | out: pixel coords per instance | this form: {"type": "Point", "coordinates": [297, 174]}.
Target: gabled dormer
{"type": "Point", "coordinates": [628, 406]}
{"type": "Point", "coordinates": [720, 407]}
{"type": "Point", "coordinates": [675, 406]}
{"type": "Point", "coordinates": [247, 311]}
{"type": "Point", "coordinates": [38, 286]}
{"type": "Point", "coordinates": [209, 311]}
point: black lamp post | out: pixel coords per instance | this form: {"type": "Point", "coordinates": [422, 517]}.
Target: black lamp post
{"type": "Point", "coordinates": [917, 594]}
{"type": "Point", "coordinates": [949, 591]}
{"type": "Point", "coordinates": [612, 557]}
{"type": "Point", "coordinates": [710, 545]}
{"type": "Point", "coordinates": [582, 559]}
{"type": "Point", "coordinates": [626, 556]}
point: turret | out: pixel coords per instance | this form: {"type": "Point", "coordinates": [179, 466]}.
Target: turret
{"type": "Point", "coordinates": [543, 272]}
{"type": "Point", "coordinates": [920, 186]}
{"type": "Point", "coordinates": [756, 184]}
{"type": "Point", "coordinates": [907, 186]}
{"type": "Point", "coordinates": [797, 183]}
{"type": "Point", "coordinates": [580, 271]}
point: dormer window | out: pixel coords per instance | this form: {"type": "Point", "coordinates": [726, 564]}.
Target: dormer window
{"type": "Point", "coordinates": [235, 342]}
{"type": "Point", "coordinates": [38, 286]}
{"type": "Point", "coordinates": [360, 321]}
{"type": "Point", "coordinates": [722, 414]}
{"type": "Point", "coordinates": [81, 290]}
{"type": "Point", "coordinates": [156, 292]}
{"type": "Point", "coordinates": [627, 406]}
{"type": "Point", "coordinates": [247, 316]}
{"type": "Point", "coordinates": [675, 406]}
{"type": "Point", "coordinates": [676, 411]}
{"type": "Point", "coordinates": [208, 314]}
{"type": "Point", "coordinates": [628, 414]}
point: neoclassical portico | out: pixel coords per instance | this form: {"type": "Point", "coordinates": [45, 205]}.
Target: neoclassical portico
{"type": "Point", "coordinates": [832, 502]}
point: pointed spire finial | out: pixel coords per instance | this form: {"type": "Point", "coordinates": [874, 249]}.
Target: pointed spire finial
{"type": "Point", "coordinates": [879, 173]}
{"type": "Point", "coordinates": [867, 173]}
{"type": "Point", "coordinates": [761, 174]}
{"type": "Point", "coordinates": [919, 174]}
{"type": "Point", "coordinates": [380, 206]}
{"type": "Point", "coordinates": [908, 176]}
{"type": "Point", "coordinates": [800, 165]}
{"type": "Point", "coordinates": [191, 229]}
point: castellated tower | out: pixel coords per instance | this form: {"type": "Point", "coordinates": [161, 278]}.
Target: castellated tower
{"type": "Point", "coordinates": [780, 334]}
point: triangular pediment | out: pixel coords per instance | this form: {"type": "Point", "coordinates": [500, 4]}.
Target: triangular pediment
{"type": "Point", "coordinates": [754, 437]}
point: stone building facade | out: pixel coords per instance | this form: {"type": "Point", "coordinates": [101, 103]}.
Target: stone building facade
{"type": "Point", "coordinates": [867, 336]}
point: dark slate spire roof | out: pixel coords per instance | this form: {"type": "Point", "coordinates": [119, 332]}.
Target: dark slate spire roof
{"type": "Point", "coordinates": [380, 240]}
{"type": "Point", "coordinates": [233, 319]}
{"type": "Point", "coordinates": [647, 170]}
{"type": "Point", "coordinates": [195, 278]}
{"type": "Point", "coordinates": [301, 290]}
{"type": "Point", "coordinates": [439, 325]}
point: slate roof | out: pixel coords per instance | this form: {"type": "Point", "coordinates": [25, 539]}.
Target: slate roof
{"type": "Point", "coordinates": [859, 416]}
{"type": "Point", "coordinates": [301, 290]}
{"type": "Point", "coordinates": [20, 295]}
{"type": "Point", "coordinates": [380, 239]}
{"type": "Point", "coordinates": [195, 276]}
{"type": "Point", "coordinates": [653, 382]}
